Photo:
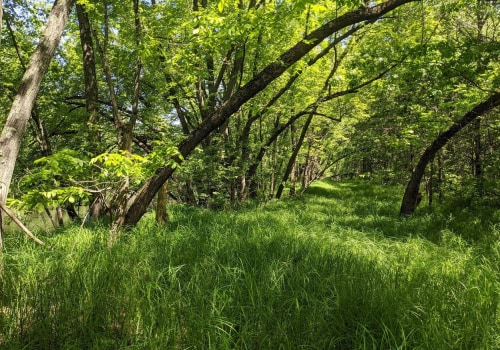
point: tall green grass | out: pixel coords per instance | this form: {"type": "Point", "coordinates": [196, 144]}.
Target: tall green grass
{"type": "Point", "coordinates": [334, 269]}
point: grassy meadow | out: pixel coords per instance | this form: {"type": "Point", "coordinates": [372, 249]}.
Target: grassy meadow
{"type": "Point", "coordinates": [333, 269]}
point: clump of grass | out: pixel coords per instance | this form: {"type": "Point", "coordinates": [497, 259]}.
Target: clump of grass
{"type": "Point", "coordinates": [334, 269]}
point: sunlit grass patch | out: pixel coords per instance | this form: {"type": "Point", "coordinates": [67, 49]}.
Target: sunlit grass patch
{"type": "Point", "coordinates": [336, 271]}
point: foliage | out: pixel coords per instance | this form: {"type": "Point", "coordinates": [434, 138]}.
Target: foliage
{"type": "Point", "coordinates": [55, 181]}
{"type": "Point", "coordinates": [439, 58]}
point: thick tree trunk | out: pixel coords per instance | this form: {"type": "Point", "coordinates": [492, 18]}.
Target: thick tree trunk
{"type": "Point", "coordinates": [15, 126]}
{"type": "Point", "coordinates": [409, 202]}
{"type": "Point", "coordinates": [249, 90]}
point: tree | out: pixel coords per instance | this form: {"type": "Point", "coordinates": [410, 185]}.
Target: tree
{"type": "Point", "coordinates": [13, 131]}
{"type": "Point", "coordinates": [249, 90]}
{"type": "Point", "coordinates": [409, 202]}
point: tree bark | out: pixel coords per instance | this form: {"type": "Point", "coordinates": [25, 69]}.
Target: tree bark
{"type": "Point", "coordinates": [249, 90]}
{"type": "Point", "coordinates": [89, 70]}
{"type": "Point", "coordinates": [293, 157]}
{"type": "Point", "coordinates": [161, 205]}
{"type": "Point", "coordinates": [15, 126]}
{"type": "Point", "coordinates": [127, 130]}
{"type": "Point", "coordinates": [409, 202]}
{"type": "Point", "coordinates": [1, 17]}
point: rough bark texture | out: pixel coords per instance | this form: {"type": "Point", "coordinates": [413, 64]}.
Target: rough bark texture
{"type": "Point", "coordinates": [409, 202]}
{"type": "Point", "coordinates": [15, 126]}
{"type": "Point", "coordinates": [249, 90]}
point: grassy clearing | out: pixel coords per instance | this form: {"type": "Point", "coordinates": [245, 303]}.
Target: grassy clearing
{"type": "Point", "coordinates": [335, 269]}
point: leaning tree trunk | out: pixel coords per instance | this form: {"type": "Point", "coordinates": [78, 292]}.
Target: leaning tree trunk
{"type": "Point", "coordinates": [15, 126]}
{"type": "Point", "coordinates": [409, 202]}
{"type": "Point", "coordinates": [258, 83]}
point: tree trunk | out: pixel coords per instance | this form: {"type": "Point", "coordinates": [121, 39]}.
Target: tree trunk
{"type": "Point", "coordinates": [1, 17]}
{"type": "Point", "coordinates": [274, 167]}
{"type": "Point", "coordinates": [308, 167]}
{"type": "Point", "coordinates": [59, 215]}
{"type": "Point", "coordinates": [478, 156]}
{"type": "Point", "coordinates": [161, 205]}
{"type": "Point", "coordinates": [51, 218]}
{"type": "Point", "coordinates": [89, 72]}
{"type": "Point", "coordinates": [15, 126]}
{"type": "Point", "coordinates": [430, 183]}
{"type": "Point", "coordinates": [440, 177]}
{"type": "Point", "coordinates": [249, 90]}
{"type": "Point", "coordinates": [293, 157]}
{"type": "Point", "coordinates": [128, 133]}
{"type": "Point", "coordinates": [409, 202]}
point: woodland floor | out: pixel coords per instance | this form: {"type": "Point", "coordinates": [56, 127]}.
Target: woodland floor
{"type": "Point", "coordinates": [333, 269]}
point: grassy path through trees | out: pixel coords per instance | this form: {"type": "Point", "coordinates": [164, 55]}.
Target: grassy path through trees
{"type": "Point", "coordinates": [334, 269]}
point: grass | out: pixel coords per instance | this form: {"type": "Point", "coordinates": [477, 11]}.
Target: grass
{"type": "Point", "coordinates": [334, 269]}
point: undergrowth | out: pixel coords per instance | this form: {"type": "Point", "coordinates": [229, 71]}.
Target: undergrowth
{"type": "Point", "coordinates": [334, 269]}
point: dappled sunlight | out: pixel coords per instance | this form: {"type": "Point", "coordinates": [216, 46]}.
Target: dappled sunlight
{"type": "Point", "coordinates": [306, 271]}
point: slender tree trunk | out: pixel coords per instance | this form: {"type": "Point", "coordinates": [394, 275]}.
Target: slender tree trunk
{"type": "Point", "coordinates": [477, 144]}
{"type": "Point", "coordinates": [293, 157]}
{"type": "Point", "coordinates": [308, 167]}
{"type": "Point", "coordinates": [440, 176]}
{"type": "Point", "coordinates": [15, 126]}
{"type": "Point", "coordinates": [409, 202]}
{"type": "Point", "coordinates": [249, 90]}
{"type": "Point", "coordinates": [478, 156]}
{"type": "Point", "coordinates": [161, 205]}
{"type": "Point", "coordinates": [1, 17]}
{"type": "Point", "coordinates": [51, 218]}
{"type": "Point", "coordinates": [430, 183]}
{"type": "Point", "coordinates": [59, 215]}
{"type": "Point", "coordinates": [89, 72]}
{"type": "Point", "coordinates": [274, 167]}
{"type": "Point", "coordinates": [293, 172]}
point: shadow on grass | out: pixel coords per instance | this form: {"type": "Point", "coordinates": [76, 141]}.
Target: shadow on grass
{"type": "Point", "coordinates": [315, 271]}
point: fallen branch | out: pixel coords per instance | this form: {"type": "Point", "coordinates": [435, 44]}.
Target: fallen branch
{"type": "Point", "coordinates": [20, 224]}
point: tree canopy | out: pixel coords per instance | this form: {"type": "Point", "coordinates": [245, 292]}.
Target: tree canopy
{"type": "Point", "coordinates": [236, 99]}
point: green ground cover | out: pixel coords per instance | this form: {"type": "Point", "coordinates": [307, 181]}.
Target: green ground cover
{"type": "Point", "coordinates": [334, 269]}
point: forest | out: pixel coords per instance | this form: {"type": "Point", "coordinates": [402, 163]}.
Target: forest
{"type": "Point", "coordinates": [216, 174]}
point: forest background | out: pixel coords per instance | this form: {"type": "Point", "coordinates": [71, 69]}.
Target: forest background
{"type": "Point", "coordinates": [213, 103]}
